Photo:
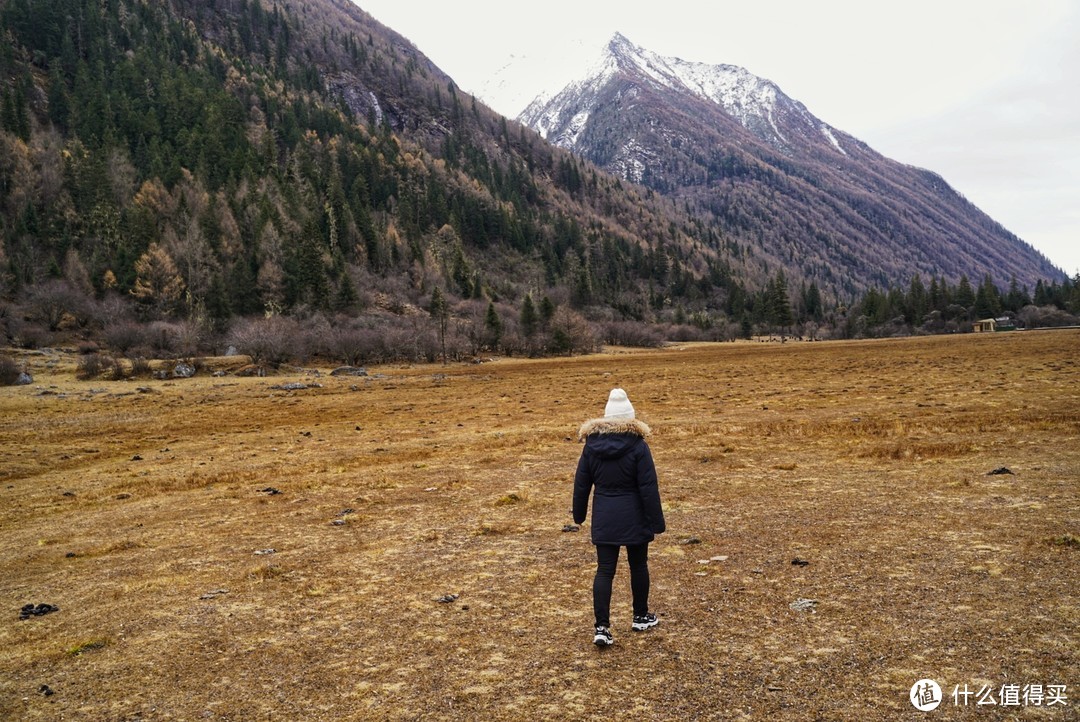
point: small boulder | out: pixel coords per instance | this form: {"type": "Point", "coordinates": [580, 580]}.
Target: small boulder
{"type": "Point", "coordinates": [183, 371]}
{"type": "Point", "coordinates": [24, 379]}
{"type": "Point", "coordinates": [37, 610]}
{"type": "Point", "coordinates": [349, 371]}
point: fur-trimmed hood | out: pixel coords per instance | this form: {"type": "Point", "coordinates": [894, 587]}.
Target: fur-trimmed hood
{"type": "Point", "coordinates": [613, 426]}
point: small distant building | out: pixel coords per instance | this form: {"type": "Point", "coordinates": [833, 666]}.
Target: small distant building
{"type": "Point", "coordinates": [1002, 323]}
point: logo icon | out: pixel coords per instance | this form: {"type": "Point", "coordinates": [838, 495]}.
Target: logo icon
{"type": "Point", "coordinates": [925, 695]}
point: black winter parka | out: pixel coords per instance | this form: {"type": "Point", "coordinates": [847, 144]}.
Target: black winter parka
{"type": "Point", "coordinates": [616, 465]}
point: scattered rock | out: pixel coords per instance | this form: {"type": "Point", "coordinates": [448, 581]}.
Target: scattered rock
{"type": "Point", "coordinates": [296, 386]}
{"type": "Point", "coordinates": [690, 540]}
{"type": "Point", "coordinates": [1000, 471]}
{"type": "Point", "coordinates": [68, 493]}
{"type": "Point", "coordinates": [214, 593]}
{"type": "Point", "coordinates": [798, 562]}
{"type": "Point", "coordinates": [338, 522]}
{"type": "Point", "coordinates": [46, 690]}
{"type": "Point", "coordinates": [804, 605]}
{"type": "Point", "coordinates": [571, 527]}
{"type": "Point", "coordinates": [270, 491]}
{"type": "Point", "coordinates": [264, 552]}
{"type": "Point", "coordinates": [146, 390]}
{"type": "Point", "coordinates": [37, 610]}
{"type": "Point", "coordinates": [183, 371]}
{"type": "Point", "coordinates": [218, 374]}
{"type": "Point", "coordinates": [122, 496]}
{"type": "Point", "coordinates": [345, 512]}
{"type": "Point", "coordinates": [23, 379]}
{"type": "Point", "coordinates": [719, 558]}
{"type": "Point", "coordinates": [349, 371]}
{"type": "Point", "coordinates": [447, 598]}
{"type": "Point", "coordinates": [136, 458]}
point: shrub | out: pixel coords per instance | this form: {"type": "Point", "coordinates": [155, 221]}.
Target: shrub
{"type": "Point", "coordinates": [571, 333]}
{"type": "Point", "coordinates": [93, 365]}
{"type": "Point", "coordinates": [140, 368]}
{"type": "Point", "coordinates": [354, 346]}
{"type": "Point", "coordinates": [683, 333]}
{"type": "Point", "coordinates": [9, 371]}
{"type": "Point", "coordinates": [125, 336]}
{"type": "Point", "coordinates": [57, 303]}
{"type": "Point", "coordinates": [1045, 317]}
{"type": "Point", "coordinates": [31, 336]}
{"type": "Point", "coordinates": [266, 340]}
{"type": "Point", "coordinates": [632, 333]}
{"type": "Point", "coordinates": [163, 338]}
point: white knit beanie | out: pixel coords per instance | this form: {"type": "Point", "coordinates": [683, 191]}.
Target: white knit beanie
{"type": "Point", "coordinates": [618, 406]}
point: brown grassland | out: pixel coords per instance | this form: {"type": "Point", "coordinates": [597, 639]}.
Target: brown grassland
{"type": "Point", "coordinates": [137, 508]}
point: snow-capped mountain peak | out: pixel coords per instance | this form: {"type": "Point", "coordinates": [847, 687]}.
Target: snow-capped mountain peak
{"type": "Point", "coordinates": [756, 103]}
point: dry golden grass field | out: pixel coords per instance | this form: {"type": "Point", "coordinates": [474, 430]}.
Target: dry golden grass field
{"type": "Point", "coordinates": [140, 510]}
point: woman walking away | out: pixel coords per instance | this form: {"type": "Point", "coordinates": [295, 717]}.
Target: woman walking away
{"type": "Point", "coordinates": [617, 467]}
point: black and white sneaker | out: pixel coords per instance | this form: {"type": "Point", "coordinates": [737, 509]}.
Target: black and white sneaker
{"type": "Point", "coordinates": [644, 621]}
{"type": "Point", "coordinates": [602, 637]}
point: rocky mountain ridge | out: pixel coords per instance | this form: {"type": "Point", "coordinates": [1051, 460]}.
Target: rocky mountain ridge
{"type": "Point", "coordinates": [806, 195]}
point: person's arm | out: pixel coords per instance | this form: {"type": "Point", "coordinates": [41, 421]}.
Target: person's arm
{"type": "Point", "coordinates": [583, 482]}
{"type": "Point", "coordinates": [649, 489]}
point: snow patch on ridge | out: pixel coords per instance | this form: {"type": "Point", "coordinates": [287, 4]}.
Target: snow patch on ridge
{"type": "Point", "coordinates": [827, 132]}
{"type": "Point", "coordinates": [377, 107]}
{"type": "Point", "coordinates": [568, 138]}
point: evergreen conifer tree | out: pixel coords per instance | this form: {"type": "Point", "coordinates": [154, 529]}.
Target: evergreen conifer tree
{"type": "Point", "coordinates": [529, 318]}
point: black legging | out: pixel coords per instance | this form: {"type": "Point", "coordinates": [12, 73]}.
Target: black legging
{"type": "Point", "coordinates": [607, 557]}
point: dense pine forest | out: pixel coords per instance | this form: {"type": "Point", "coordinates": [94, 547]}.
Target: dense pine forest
{"type": "Point", "coordinates": [293, 179]}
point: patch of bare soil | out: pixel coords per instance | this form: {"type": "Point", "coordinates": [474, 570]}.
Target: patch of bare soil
{"type": "Point", "coordinates": [393, 546]}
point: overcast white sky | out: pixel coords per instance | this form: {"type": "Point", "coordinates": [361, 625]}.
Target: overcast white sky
{"type": "Point", "coordinates": [983, 92]}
